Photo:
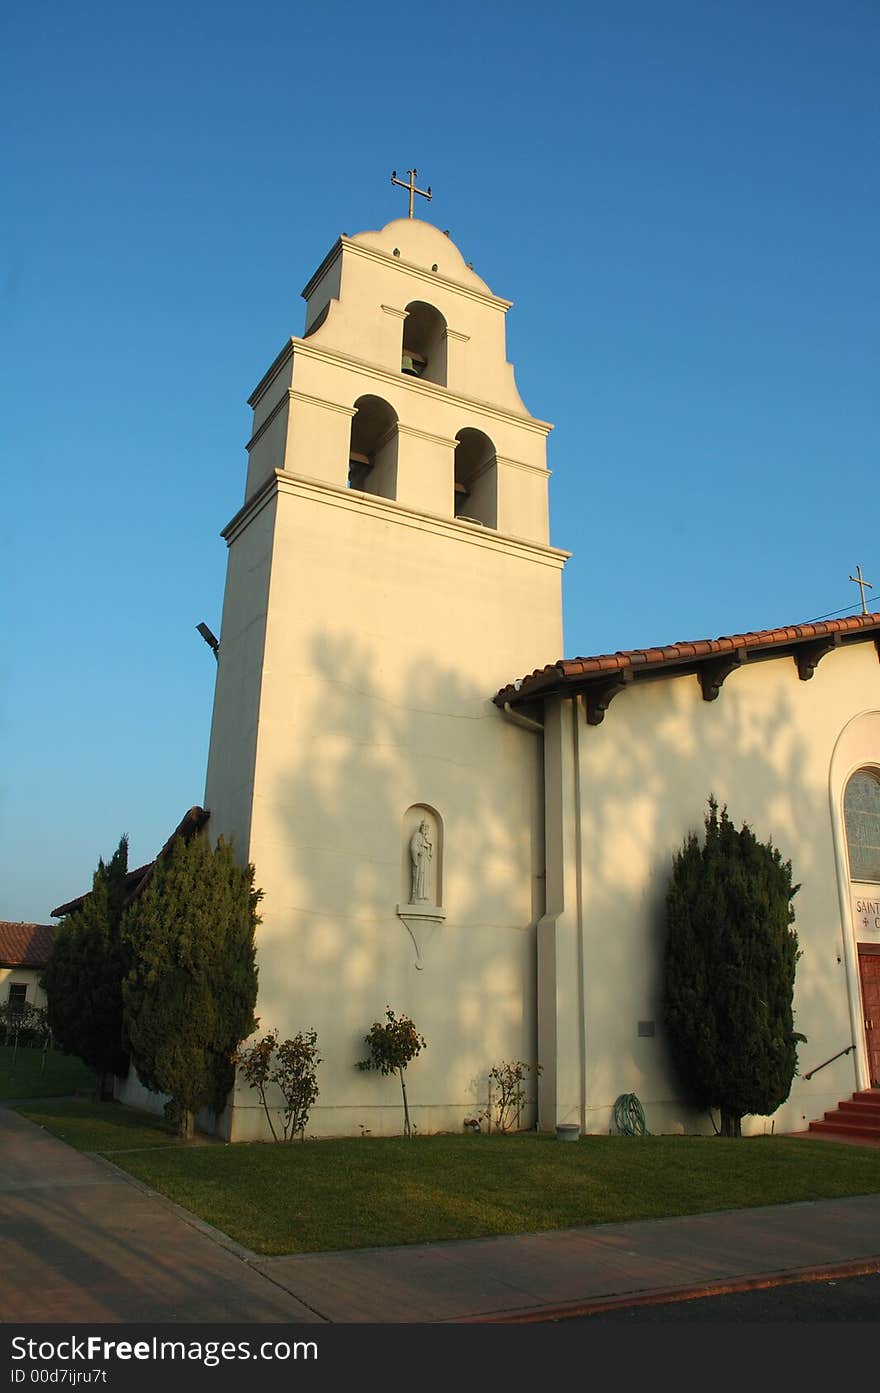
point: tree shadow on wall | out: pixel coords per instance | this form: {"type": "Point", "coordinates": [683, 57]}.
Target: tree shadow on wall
{"type": "Point", "coordinates": [760, 764]}
{"type": "Point", "coordinates": [334, 951]}
{"type": "Point", "coordinates": [372, 742]}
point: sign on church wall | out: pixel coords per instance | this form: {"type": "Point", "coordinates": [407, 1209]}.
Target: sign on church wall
{"type": "Point", "coordinates": [866, 915]}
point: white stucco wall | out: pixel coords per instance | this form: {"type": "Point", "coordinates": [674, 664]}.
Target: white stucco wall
{"type": "Point", "coordinates": [26, 976]}
{"type": "Point", "coordinates": [363, 638]}
{"type": "Point", "coordinates": [304, 404]}
{"type": "Point", "coordinates": [134, 1094]}
{"type": "Point", "coordinates": [232, 750]}
{"type": "Point", "coordinates": [778, 752]}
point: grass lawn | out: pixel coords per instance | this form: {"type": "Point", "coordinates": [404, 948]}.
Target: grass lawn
{"type": "Point", "coordinates": [34, 1074]}
{"type": "Point", "coordinates": [104, 1127]}
{"type": "Point", "coordinates": [370, 1191]}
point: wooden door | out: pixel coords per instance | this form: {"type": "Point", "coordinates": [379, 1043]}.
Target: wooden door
{"type": "Point", "coordinates": [869, 972]}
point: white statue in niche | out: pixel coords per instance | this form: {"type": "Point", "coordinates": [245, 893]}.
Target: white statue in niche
{"type": "Point", "coordinates": [421, 850]}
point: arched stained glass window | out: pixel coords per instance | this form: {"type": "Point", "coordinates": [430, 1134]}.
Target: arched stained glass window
{"type": "Point", "coordinates": [861, 812]}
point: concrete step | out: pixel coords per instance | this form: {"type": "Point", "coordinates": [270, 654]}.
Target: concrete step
{"type": "Point", "coordinates": [868, 1095]}
{"type": "Point", "coordinates": [854, 1117]}
{"type": "Point", "coordinates": [842, 1126]}
{"type": "Point", "coordinates": [859, 1108]}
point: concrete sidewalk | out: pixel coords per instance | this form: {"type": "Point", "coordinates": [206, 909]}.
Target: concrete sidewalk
{"type": "Point", "coordinates": [546, 1275]}
{"type": "Point", "coordinates": [82, 1242]}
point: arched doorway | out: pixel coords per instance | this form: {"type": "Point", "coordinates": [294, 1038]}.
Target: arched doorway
{"type": "Point", "coordinates": [861, 816]}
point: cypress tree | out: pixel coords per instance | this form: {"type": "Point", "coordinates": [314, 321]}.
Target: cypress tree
{"type": "Point", "coordinates": [84, 975]}
{"type": "Point", "coordinates": [731, 955]}
{"type": "Point", "coordinates": [190, 994]}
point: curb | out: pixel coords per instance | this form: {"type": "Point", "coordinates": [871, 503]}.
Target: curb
{"type": "Point", "coordinates": [223, 1240]}
{"type": "Point", "coordinates": [657, 1296]}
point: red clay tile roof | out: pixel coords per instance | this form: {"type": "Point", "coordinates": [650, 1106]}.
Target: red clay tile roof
{"type": "Point", "coordinates": [25, 945]}
{"type": "Point", "coordinates": [664, 661]}
{"type": "Point", "coordinates": [193, 820]}
{"type": "Point", "coordinates": [132, 881]}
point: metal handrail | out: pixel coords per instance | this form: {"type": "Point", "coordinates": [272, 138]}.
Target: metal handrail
{"type": "Point", "coordinates": [829, 1061]}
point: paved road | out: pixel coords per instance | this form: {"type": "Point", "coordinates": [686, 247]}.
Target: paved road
{"type": "Point", "coordinates": [852, 1300]}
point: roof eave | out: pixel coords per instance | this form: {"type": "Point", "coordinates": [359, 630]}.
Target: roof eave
{"type": "Point", "coordinates": [711, 660]}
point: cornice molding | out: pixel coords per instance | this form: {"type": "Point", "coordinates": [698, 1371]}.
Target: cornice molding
{"type": "Point", "coordinates": [425, 435]}
{"type": "Point", "coordinates": [398, 314]}
{"type": "Point", "coordinates": [292, 394]}
{"type": "Point", "coordinates": [272, 371]}
{"type": "Point", "coordinates": [521, 464]}
{"type": "Point", "coordinates": [251, 509]}
{"type": "Point", "coordinates": [454, 334]}
{"type": "Point", "coordinates": [397, 263]}
{"type": "Point", "coordinates": [276, 410]}
{"type": "Point", "coordinates": [338, 358]}
{"type": "Point", "coordinates": [282, 482]}
{"type": "Point", "coordinates": [296, 395]}
{"type": "Point", "coordinates": [324, 267]}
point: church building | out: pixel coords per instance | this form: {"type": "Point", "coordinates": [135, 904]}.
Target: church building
{"type": "Point", "coordinates": [445, 816]}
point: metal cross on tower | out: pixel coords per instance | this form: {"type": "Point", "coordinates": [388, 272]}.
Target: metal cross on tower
{"type": "Point", "coordinates": [863, 586]}
{"type": "Point", "coordinates": [413, 175]}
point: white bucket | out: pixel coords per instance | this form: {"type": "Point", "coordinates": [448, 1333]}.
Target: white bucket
{"type": "Point", "coordinates": [567, 1131]}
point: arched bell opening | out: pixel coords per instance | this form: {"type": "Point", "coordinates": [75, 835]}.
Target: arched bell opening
{"type": "Point", "coordinates": [476, 478]}
{"type": "Point", "coordinates": [372, 454]}
{"type": "Point", "coordinates": [424, 343]}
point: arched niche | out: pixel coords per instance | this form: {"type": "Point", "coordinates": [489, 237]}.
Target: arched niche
{"type": "Point", "coordinates": [422, 857]}
{"type": "Point", "coordinates": [424, 343]}
{"type": "Point", "coordinates": [372, 454]}
{"type": "Point", "coordinates": [476, 478]}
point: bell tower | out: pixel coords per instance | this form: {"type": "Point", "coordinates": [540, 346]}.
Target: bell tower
{"type": "Point", "coordinates": [389, 570]}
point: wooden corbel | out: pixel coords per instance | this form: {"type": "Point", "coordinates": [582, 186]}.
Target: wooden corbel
{"type": "Point", "coordinates": [808, 656]}
{"type": "Point", "coordinates": [713, 674]}
{"type": "Point", "coordinates": [600, 697]}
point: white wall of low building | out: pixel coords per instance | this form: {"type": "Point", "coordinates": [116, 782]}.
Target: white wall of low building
{"type": "Point", "coordinates": [134, 1094]}
{"type": "Point", "coordinates": [29, 977]}
{"type": "Point", "coordinates": [775, 750]}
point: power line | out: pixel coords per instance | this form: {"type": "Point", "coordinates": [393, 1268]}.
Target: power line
{"type": "Point", "coordinates": [833, 614]}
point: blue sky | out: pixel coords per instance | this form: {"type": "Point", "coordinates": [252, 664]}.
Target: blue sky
{"type": "Point", "coordinates": [680, 198]}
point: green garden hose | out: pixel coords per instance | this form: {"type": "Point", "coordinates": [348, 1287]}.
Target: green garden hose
{"type": "Point", "coordinates": [629, 1117]}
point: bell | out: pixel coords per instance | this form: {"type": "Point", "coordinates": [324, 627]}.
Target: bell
{"type": "Point", "coordinates": [359, 467]}
{"type": "Point", "coordinates": [413, 364]}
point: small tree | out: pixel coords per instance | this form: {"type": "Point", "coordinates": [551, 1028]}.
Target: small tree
{"type": "Point", "coordinates": [731, 954]}
{"type": "Point", "coordinates": [83, 978]}
{"type": "Point", "coordinates": [295, 1075]}
{"type": "Point", "coordinates": [255, 1063]}
{"type": "Point", "coordinates": [22, 1023]}
{"type": "Point", "coordinates": [190, 994]}
{"type": "Point", "coordinates": [292, 1065]}
{"type": "Point", "coordinates": [392, 1047]}
{"type": "Point", "coordinates": [507, 1094]}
